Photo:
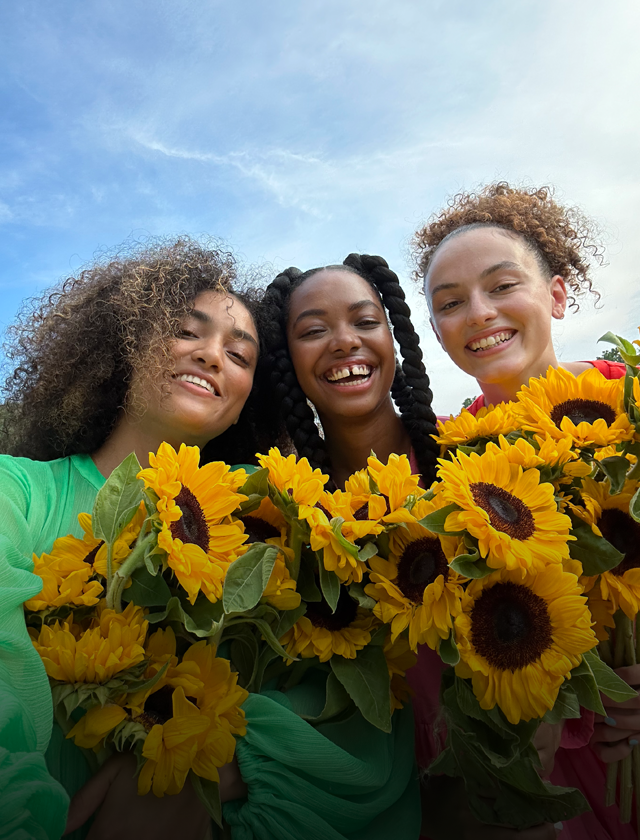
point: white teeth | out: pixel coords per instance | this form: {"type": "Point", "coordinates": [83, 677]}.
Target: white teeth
{"type": "Point", "coordinates": [490, 341]}
{"type": "Point", "coordinates": [196, 380]}
{"type": "Point", "coordinates": [353, 370]}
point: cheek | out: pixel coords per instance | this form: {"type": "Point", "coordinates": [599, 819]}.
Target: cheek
{"type": "Point", "coordinates": [303, 359]}
{"type": "Point", "coordinates": [240, 384]}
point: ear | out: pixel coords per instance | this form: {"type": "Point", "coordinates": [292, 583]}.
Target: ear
{"type": "Point", "coordinates": [435, 332]}
{"type": "Point", "coordinates": [558, 297]}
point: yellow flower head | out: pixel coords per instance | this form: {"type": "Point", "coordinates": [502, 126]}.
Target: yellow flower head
{"type": "Point", "coordinates": [520, 636]}
{"type": "Point", "coordinates": [466, 428]}
{"type": "Point", "coordinates": [280, 591]}
{"type": "Point", "coordinates": [293, 477]}
{"type": "Point", "coordinates": [112, 643]}
{"type": "Point", "coordinates": [394, 479]}
{"type": "Point", "coordinates": [587, 408]}
{"type": "Point", "coordinates": [416, 587]}
{"type": "Point", "coordinates": [324, 634]}
{"type": "Point", "coordinates": [93, 727]}
{"type": "Point", "coordinates": [507, 508]}
{"type": "Point", "coordinates": [194, 505]}
{"type": "Point", "coordinates": [121, 547]}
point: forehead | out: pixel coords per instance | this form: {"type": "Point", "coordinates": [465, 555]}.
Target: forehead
{"type": "Point", "coordinates": [225, 312]}
{"type": "Point", "coordinates": [469, 254]}
{"type": "Point", "coordinates": [331, 290]}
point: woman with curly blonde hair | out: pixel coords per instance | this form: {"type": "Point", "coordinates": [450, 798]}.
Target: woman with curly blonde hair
{"type": "Point", "coordinates": [498, 265]}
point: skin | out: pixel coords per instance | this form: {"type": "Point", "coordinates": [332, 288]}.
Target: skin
{"type": "Point", "coordinates": [487, 281]}
{"type": "Point", "coordinates": [611, 743]}
{"type": "Point", "coordinates": [335, 320]}
{"type": "Point", "coordinates": [219, 343]}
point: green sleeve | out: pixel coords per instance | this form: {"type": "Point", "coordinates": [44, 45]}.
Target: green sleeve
{"type": "Point", "coordinates": [32, 803]}
{"type": "Point", "coordinates": [337, 781]}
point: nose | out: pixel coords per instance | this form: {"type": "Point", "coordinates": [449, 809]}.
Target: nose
{"type": "Point", "coordinates": [345, 339]}
{"type": "Point", "coordinates": [480, 309]}
{"type": "Point", "coordinates": [209, 353]}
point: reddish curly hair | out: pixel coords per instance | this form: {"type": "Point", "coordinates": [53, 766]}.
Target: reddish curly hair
{"type": "Point", "coordinates": [563, 239]}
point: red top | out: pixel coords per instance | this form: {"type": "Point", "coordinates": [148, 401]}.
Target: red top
{"type": "Point", "coordinates": [576, 764]}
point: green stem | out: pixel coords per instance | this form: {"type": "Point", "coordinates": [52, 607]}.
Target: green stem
{"type": "Point", "coordinates": [636, 783]}
{"type": "Point", "coordinates": [612, 778]}
{"type": "Point", "coordinates": [109, 566]}
{"type": "Point", "coordinates": [134, 561]}
{"type": "Point", "coordinates": [297, 540]}
{"type": "Point", "coordinates": [606, 655]}
{"type": "Point", "coordinates": [626, 789]}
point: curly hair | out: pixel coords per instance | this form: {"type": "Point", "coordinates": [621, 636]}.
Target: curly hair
{"type": "Point", "coordinates": [561, 238]}
{"type": "Point", "coordinates": [410, 390]}
{"type": "Point", "coordinates": [76, 349]}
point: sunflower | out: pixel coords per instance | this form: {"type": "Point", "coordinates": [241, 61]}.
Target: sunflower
{"type": "Point", "coordinates": [519, 636]}
{"type": "Point", "coordinates": [121, 547]}
{"type": "Point", "coordinates": [112, 643]}
{"type": "Point", "coordinates": [93, 727]}
{"type": "Point", "coordinates": [280, 590]}
{"type": "Point", "coordinates": [194, 505]}
{"type": "Point", "coordinates": [294, 478]}
{"type": "Point", "coordinates": [324, 634]}
{"type": "Point", "coordinates": [609, 517]}
{"type": "Point", "coordinates": [467, 428]}
{"type": "Point", "coordinates": [416, 587]}
{"type": "Point", "coordinates": [601, 611]}
{"type": "Point", "coordinates": [399, 658]}
{"type": "Point", "coordinates": [507, 508]}
{"type": "Point", "coordinates": [588, 408]}
{"type": "Point", "coordinates": [395, 481]}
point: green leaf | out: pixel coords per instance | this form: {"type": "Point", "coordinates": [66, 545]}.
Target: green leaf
{"type": "Point", "coordinates": [256, 487]}
{"type": "Point", "coordinates": [306, 584]}
{"type": "Point", "coordinates": [147, 590]}
{"type": "Point", "coordinates": [586, 688]}
{"type": "Point", "coordinates": [329, 583]}
{"type": "Point", "coordinates": [634, 506]}
{"type": "Point", "coordinates": [337, 701]}
{"type": "Point", "coordinates": [448, 650]}
{"type": "Point", "coordinates": [244, 583]}
{"type": "Point", "coordinates": [336, 526]}
{"type": "Point", "coordinates": [367, 551]}
{"type": "Point", "coordinates": [566, 706]}
{"type": "Point", "coordinates": [208, 793]}
{"type": "Point", "coordinates": [287, 620]}
{"type": "Point", "coordinates": [356, 590]}
{"type": "Point", "coordinates": [596, 554]}
{"type": "Point", "coordinates": [435, 521]}
{"type": "Point", "coordinates": [615, 468]}
{"type": "Point", "coordinates": [379, 635]}
{"type": "Point", "coordinates": [118, 499]}
{"type": "Point", "coordinates": [201, 620]}
{"type": "Point", "coordinates": [608, 681]}
{"type": "Point", "coordinates": [470, 566]}
{"type": "Point", "coordinates": [366, 679]}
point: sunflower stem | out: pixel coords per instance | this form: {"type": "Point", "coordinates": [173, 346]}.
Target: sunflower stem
{"type": "Point", "coordinates": [109, 565]}
{"type": "Point", "coordinates": [626, 788]}
{"type": "Point", "coordinates": [297, 539]}
{"type": "Point", "coordinates": [612, 778]}
{"type": "Point", "coordinates": [134, 561]}
{"type": "Point", "coordinates": [604, 649]}
{"type": "Point", "coordinates": [624, 634]}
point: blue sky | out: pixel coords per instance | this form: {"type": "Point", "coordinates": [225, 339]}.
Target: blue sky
{"type": "Point", "coordinates": [299, 132]}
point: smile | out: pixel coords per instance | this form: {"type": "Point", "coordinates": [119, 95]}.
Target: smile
{"type": "Point", "coordinates": [491, 341]}
{"type": "Point", "coordinates": [349, 375]}
{"type": "Point", "coordinates": [197, 380]}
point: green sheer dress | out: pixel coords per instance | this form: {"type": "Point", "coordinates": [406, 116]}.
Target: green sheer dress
{"type": "Point", "coordinates": [341, 781]}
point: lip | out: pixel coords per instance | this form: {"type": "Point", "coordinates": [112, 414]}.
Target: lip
{"type": "Point", "coordinates": [196, 389]}
{"type": "Point", "coordinates": [490, 351]}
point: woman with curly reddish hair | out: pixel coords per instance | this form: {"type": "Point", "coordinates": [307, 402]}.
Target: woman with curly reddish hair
{"type": "Point", "coordinates": [498, 266]}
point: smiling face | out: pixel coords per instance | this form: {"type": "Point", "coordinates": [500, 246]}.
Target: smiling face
{"type": "Point", "coordinates": [215, 355]}
{"type": "Point", "coordinates": [491, 308]}
{"type": "Point", "coordinates": [340, 344]}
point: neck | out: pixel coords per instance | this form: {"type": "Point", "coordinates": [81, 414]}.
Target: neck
{"type": "Point", "coordinates": [351, 440]}
{"type": "Point", "coordinates": [507, 389]}
{"type": "Point", "coordinates": [132, 435]}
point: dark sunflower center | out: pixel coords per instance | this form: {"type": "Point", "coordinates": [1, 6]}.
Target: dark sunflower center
{"type": "Point", "coordinates": [583, 411]}
{"type": "Point", "coordinates": [192, 525]}
{"type": "Point", "coordinates": [258, 529]}
{"type": "Point", "coordinates": [507, 513]}
{"type": "Point", "coordinates": [320, 615]}
{"type": "Point", "coordinates": [510, 626]}
{"type": "Point", "coordinates": [91, 556]}
{"type": "Point", "coordinates": [421, 563]}
{"type": "Point", "coordinates": [624, 534]}
{"type": "Point", "coordinates": [158, 707]}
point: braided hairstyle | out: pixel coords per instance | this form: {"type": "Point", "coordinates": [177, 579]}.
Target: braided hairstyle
{"type": "Point", "coordinates": [410, 391]}
{"type": "Point", "coordinates": [561, 238]}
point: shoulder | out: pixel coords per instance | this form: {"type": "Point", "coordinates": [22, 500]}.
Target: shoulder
{"type": "Point", "coordinates": [21, 478]}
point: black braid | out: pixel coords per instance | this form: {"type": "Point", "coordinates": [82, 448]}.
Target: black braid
{"type": "Point", "coordinates": [415, 398]}
{"type": "Point", "coordinates": [410, 390]}
{"type": "Point", "coordinates": [298, 417]}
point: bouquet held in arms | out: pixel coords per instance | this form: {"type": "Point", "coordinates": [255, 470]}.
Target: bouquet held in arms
{"type": "Point", "coordinates": [536, 536]}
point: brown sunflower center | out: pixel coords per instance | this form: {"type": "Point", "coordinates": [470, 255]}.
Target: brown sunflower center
{"type": "Point", "coordinates": [258, 529]}
{"type": "Point", "coordinates": [421, 563]}
{"type": "Point", "coordinates": [624, 534]}
{"type": "Point", "coordinates": [510, 626]}
{"type": "Point", "coordinates": [583, 411]}
{"type": "Point", "coordinates": [192, 525]}
{"type": "Point", "coordinates": [507, 513]}
{"type": "Point", "coordinates": [158, 707]}
{"type": "Point", "coordinates": [320, 615]}
{"type": "Point", "coordinates": [91, 556]}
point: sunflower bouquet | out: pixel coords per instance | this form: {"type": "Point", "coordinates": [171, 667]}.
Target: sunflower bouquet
{"type": "Point", "coordinates": [542, 497]}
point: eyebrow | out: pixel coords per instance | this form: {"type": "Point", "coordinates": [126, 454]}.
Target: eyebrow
{"type": "Point", "coordinates": [359, 304]}
{"type": "Point", "coordinates": [487, 271]}
{"type": "Point", "coordinates": [236, 334]}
